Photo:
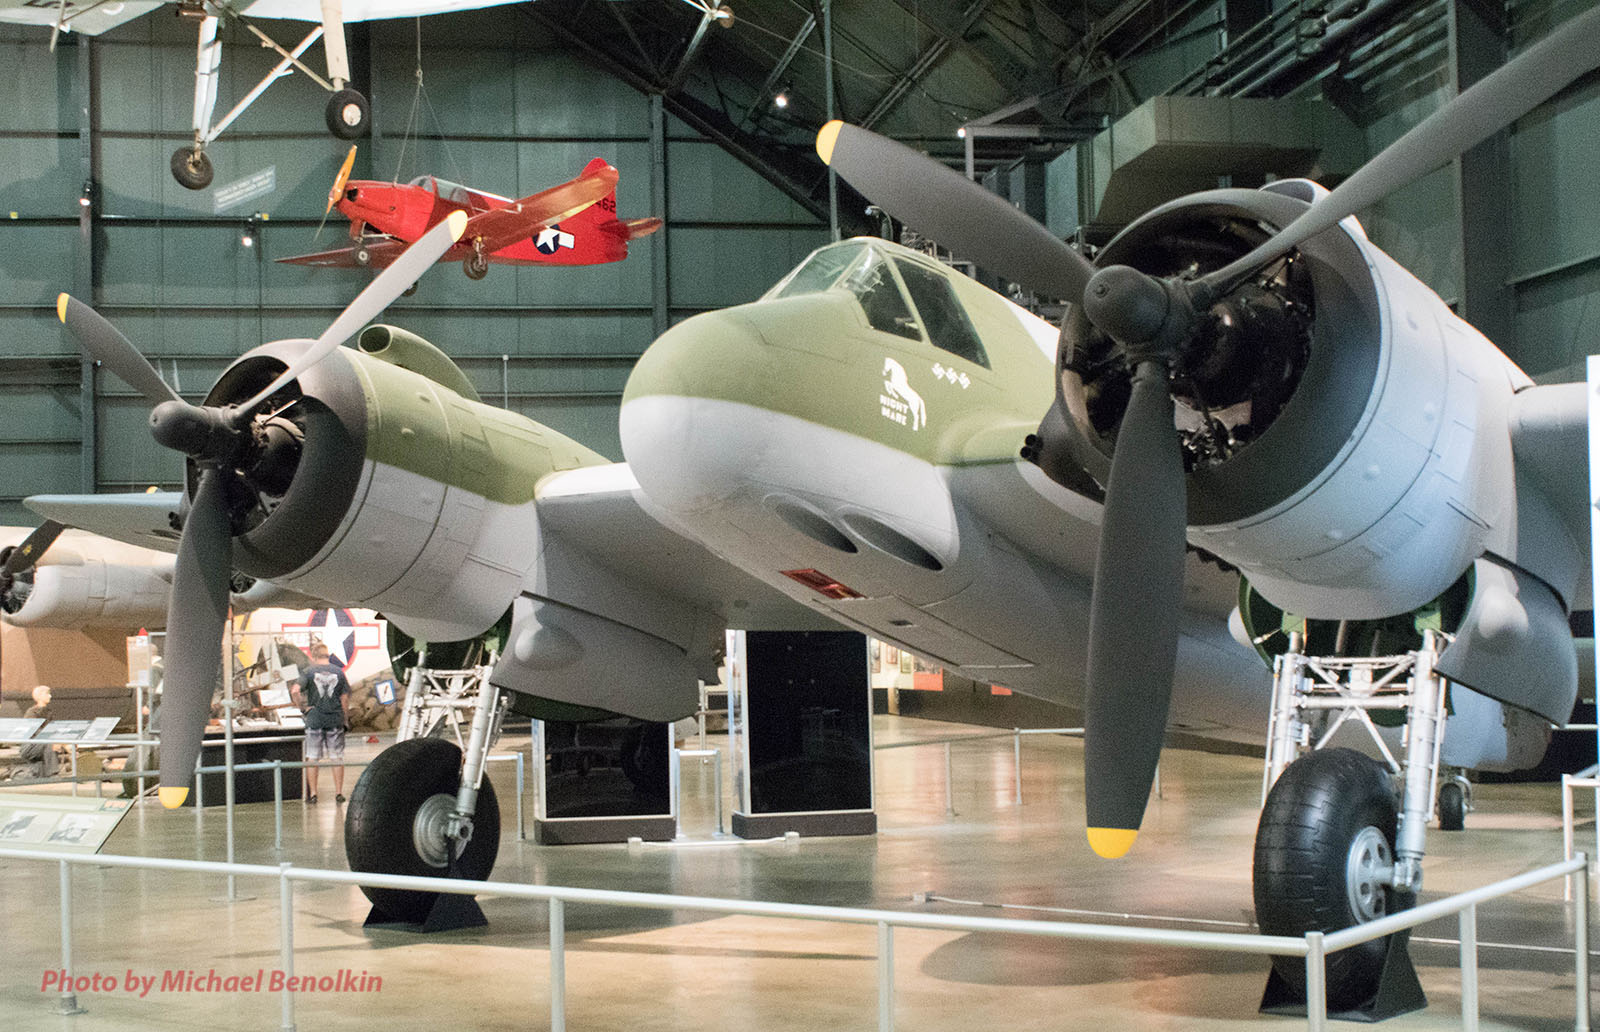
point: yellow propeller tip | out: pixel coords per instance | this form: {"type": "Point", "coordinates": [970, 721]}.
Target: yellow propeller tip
{"type": "Point", "coordinates": [61, 307]}
{"type": "Point", "coordinates": [172, 797]}
{"type": "Point", "coordinates": [458, 224]}
{"type": "Point", "coordinates": [1112, 842]}
{"type": "Point", "coordinates": [827, 136]}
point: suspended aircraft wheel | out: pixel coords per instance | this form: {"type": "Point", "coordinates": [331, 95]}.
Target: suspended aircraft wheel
{"type": "Point", "coordinates": [1452, 807]}
{"type": "Point", "coordinates": [362, 256]}
{"type": "Point", "coordinates": [475, 265]}
{"type": "Point", "coordinates": [395, 823]}
{"type": "Point", "coordinates": [349, 115]}
{"type": "Point", "coordinates": [1324, 848]}
{"type": "Point", "coordinates": [409, 290]}
{"type": "Point", "coordinates": [191, 168]}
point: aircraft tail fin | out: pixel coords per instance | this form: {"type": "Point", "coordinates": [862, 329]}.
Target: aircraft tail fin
{"type": "Point", "coordinates": [602, 214]}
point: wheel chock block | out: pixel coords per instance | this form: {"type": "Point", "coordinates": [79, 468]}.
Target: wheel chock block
{"type": "Point", "coordinates": [1398, 991]}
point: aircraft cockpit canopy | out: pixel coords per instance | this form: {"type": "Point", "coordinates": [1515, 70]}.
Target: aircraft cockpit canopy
{"type": "Point", "coordinates": [899, 295]}
{"type": "Point", "coordinates": [443, 189]}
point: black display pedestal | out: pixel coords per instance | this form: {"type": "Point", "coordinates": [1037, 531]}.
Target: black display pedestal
{"type": "Point", "coordinates": [249, 786]}
{"type": "Point", "coordinates": [604, 781]}
{"type": "Point", "coordinates": [800, 726]}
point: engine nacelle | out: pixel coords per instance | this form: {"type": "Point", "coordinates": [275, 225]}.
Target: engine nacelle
{"type": "Point", "coordinates": [1340, 430]}
{"type": "Point", "coordinates": [71, 591]}
{"type": "Point", "coordinates": [399, 491]}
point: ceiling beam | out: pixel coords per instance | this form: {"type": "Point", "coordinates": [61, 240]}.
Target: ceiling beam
{"type": "Point", "coordinates": [925, 63]}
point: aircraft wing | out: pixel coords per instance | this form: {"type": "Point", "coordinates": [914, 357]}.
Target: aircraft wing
{"type": "Point", "coordinates": [501, 227]}
{"type": "Point", "coordinates": [380, 255]}
{"type": "Point", "coordinates": [600, 511]}
{"type": "Point", "coordinates": [361, 10]}
{"type": "Point", "coordinates": [85, 16]}
{"type": "Point", "coordinates": [138, 519]}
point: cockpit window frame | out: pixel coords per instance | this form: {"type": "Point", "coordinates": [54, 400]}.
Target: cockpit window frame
{"type": "Point", "coordinates": [907, 321]}
{"type": "Point", "coordinates": [960, 326]}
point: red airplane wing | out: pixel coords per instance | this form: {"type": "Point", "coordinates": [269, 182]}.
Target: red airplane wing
{"type": "Point", "coordinates": [380, 255]}
{"type": "Point", "coordinates": [501, 227]}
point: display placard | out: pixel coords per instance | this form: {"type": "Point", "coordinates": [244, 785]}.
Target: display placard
{"type": "Point", "coordinates": [19, 729]}
{"type": "Point", "coordinates": [59, 823]}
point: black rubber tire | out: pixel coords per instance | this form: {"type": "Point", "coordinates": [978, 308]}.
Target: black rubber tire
{"type": "Point", "coordinates": [191, 168]}
{"type": "Point", "coordinates": [348, 115]}
{"type": "Point", "coordinates": [1313, 815]}
{"type": "Point", "coordinates": [383, 806]}
{"type": "Point", "coordinates": [362, 256]}
{"type": "Point", "coordinates": [475, 267]}
{"type": "Point", "coordinates": [1452, 807]}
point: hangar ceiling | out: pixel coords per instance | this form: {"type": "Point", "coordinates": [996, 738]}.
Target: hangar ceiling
{"type": "Point", "coordinates": [1037, 75]}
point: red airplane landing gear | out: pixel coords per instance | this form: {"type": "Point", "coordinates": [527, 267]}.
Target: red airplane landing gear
{"type": "Point", "coordinates": [476, 264]}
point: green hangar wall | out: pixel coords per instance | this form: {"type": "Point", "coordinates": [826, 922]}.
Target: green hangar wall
{"type": "Point", "coordinates": [504, 109]}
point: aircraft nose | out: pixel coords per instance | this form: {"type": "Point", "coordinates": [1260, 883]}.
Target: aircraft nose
{"type": "Point", "coordinates": [706, 363]}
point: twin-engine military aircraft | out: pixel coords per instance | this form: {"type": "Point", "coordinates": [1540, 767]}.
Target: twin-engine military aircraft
{"type": "Point", "coordinates": [1242, 383]}
{"type": "Point", "coordinates": [574, 223]}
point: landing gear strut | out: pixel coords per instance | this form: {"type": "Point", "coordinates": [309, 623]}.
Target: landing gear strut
{"type": "Point", "coordinates": [476, 264]}
{"type": "Point", "coordinates": [422, 808]}
{"type": "Point", "coordinates": [1336, 845]}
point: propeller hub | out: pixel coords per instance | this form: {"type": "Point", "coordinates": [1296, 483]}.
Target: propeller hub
{"type": "Point", "coordinates": [1127, 305]}
{"type": "Point", "coordinates": [200, 432]}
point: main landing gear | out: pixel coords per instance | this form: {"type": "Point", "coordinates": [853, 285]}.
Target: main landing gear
{"type": "Point", "coordinates": [423, 808]}
{"type": "Point", "coordinates": [1337, 845]}
{"type": "Point", "coordinates": [476, 264]}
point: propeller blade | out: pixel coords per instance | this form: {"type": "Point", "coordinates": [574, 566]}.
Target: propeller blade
{"type": "Point", "coordinates": [380, 294]}
{"type": "Point", "coordinates": [195, 620]}
{"type": "Point", "coordinates": [1133, 617]}
{"type": "Point", "coordinates": [340, 180]}
{"type": "Point", "coordinates": [941, 203]}
{"type": "Point", "coordinates": [25, 555]}
{"type": "Point", "coordinates": [103, 342]}
{"type": "Point", "coordinates": [1472, 116]}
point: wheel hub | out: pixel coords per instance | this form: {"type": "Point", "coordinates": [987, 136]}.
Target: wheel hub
{"type": "Point", "coordinates": [1367, 874]}
{"type": "Point", "coordinates": [430, 831]}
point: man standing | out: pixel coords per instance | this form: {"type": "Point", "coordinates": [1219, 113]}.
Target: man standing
{"type": "Point", "coordinates": [324, 695]}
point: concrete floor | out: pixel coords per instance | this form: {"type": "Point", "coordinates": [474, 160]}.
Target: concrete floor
{"type": "Point", "coordinates": [636, 970]}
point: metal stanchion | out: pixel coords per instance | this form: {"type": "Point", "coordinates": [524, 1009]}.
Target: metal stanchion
{"type": "Point", "coordinates": [1016, 761]}
{"type": "Point", "coordinates": [716, 781]}
{"type": "Point", "coordinates": [1316, 983]}
{"type": "Point", "coordinates": [69, 999]}
{"type": "Point", "coordinates": [558, 966]}
{"type": "Point", "coordinates": [286, 943]}
{"type": "Point", "coordinates": [277, 806]}
{"type": "Point", "coordinates": [522, 831]}
{"type": "Point", "coordinates": [885, 977]}
{"type": "Point", "coordinates": [1580, 936]}
{"type": "Point", "coordinates": [1468, 921]}
{"type": "Point", "coordinates": [1566, 829]}
{"type": "Point", "coordinates": [949, 784]}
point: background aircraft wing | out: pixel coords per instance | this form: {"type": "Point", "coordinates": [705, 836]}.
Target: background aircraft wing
{"type": "Point", "coordinates": [1550, 443]}
{"type": "Point", "coordinates": [380, 255]}
{"type": "Point", "coordinates": [600, 511]}
{"type": "Point", "coordinates": [501, 227]}
{"type": "Point", "coordinates": [138, 519]}
{"type": "Point", "coordinates": [83, 16]}
{"type": "Point", "coordinates": [362, 10]}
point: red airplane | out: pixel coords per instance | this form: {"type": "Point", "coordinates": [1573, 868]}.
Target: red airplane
{"type": "Point", "coordinates": [572, 224]}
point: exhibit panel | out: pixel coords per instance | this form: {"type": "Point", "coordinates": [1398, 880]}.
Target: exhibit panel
{"type": "Point", "coordinates": [800, 733]}
{"type": "Point", "coordinates": [603, 781]}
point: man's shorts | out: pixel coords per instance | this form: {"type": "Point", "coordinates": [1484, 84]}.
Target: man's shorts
{"type": "Point", "coordinates": [325, 744]}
